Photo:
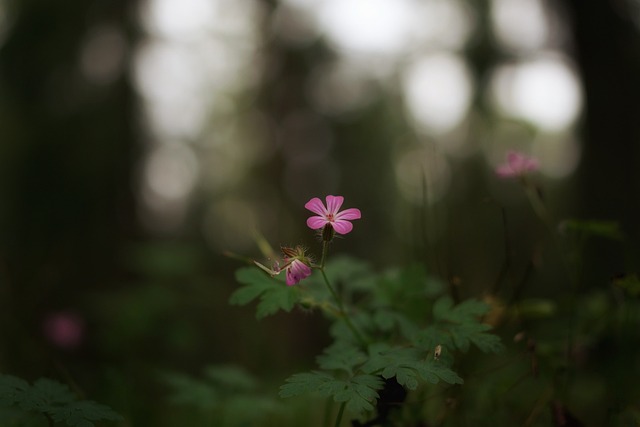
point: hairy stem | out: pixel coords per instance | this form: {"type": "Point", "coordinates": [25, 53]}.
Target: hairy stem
{"type": "Point", "coordinates": [343, 312]}
{"type": "Point", "coordinates": [340, 412]}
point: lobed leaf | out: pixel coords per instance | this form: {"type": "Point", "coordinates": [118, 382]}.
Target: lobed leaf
{"type": "Point", "coordinates": [461, 324]}
{"type": "Point", "coordinates": [273, 293]}
{"type": "Point", "coordinates": [359, 392]}
{"type": "Point", "coordinates": [11, 389]}
{"type": "Point", "coordinates": [190, 391]}
{"type": "Point", "coordinates": [83, 413]}
{"type": "Point", "coordinates": [407, 364]}
{"type": "Point", "coordinates": [50, 397]}
{"type": "Point", "coordinates": [304, 383]}
{"type": "Point", "coordinates": [341, 356]}
{"type": "Point", "coordinates": [231, 377]}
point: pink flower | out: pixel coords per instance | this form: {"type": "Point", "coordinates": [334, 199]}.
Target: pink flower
{"type": "Point", "coordinates": [296, 271]}
{"type": "Point", "coordinates": [64, 329]}
{"type": "Point", "coordinates": [297, 265]}
{"type": "Point", "coordinates": [517, 164]}
{"type": "Point", "coordinates": [339, 221]}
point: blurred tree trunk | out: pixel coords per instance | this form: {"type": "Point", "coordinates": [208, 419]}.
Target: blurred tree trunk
{"type": "Point", "coordinates": [607, 50]}
{"type": "Point", "coordinates": [66, 157]}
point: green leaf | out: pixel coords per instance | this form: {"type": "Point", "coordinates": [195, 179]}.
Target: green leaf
{"type": "Point", "coordinates": [53, 391]}
{"type": "Point", "coordinates": [11, 389]}
{"type": "Point", "coordinates": [433, 371]}
{"type": "Point", "coordinates": [83, 413]}
{"type": "Point", "coordinates": [359, 392]}
{"type": "Point", "coordinates": [606, 229]}
{"type": "Point", "coordinates": [630, 283]}
{"type": "Point", "coordinates": [342, 333]}
{"type": "Point", "coordinates": [231, 377]}
{"type": "Point", "coordinates": [398, 287]}
{"type": "Point", "coordinates": [225, 390]}
{"type": "Point", "coordinates": [462, 324]}
{"type": "Point", "coordinates": [467, 311]}
{"type": "Point", "coordinates": [341, 356]}
{"type": "Point", "coordinates": [350, 273]}
{"type": "Point", "coordinates": [274, 294]}
{"type": "Point", "coordinates": [407, 364]}
{"type": "Point", "coordinates": [50, 397]}
{"type": "Point", "coordinates": [386, 320]}
{"type": "Point", "coordinates": [235, 410]}
{"type": "Point", "coordinates": [304, 383]}
{"type": "Point", "coordinates": [190, 391]}
{"type": "Point", "coordinates": [431, 336]}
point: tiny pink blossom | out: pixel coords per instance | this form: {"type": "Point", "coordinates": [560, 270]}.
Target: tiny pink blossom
{"type": "Point", "coordinates": [339, 221]}
{"type": "Point", "coordinates": [517, 164]}
{"type": "Point", "coordinates": [297, 271]}
{"type": "Point", "coordinates": [64, 329]}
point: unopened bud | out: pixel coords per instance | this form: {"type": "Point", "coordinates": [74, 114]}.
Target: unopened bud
{"type": "Point", "coordinates": [288, 252]}
{"type": "Point", "coordinates": [327, 233]}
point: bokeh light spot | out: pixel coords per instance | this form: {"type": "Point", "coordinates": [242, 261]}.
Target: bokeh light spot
{"type": "Point", "coordinates": [438, 90]}
{"type": "Point", "coordinates": [544, 91]}
{"type": "Point", "coordinates": [367, 26]}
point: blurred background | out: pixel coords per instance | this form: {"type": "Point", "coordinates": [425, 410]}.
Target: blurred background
{"type": "Point", "coordinates": [142, 139]}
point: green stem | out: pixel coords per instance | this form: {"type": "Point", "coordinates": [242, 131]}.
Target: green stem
{"type": "Point", "coordinates": [336, 297]}
{"type": "Point", "coordinates": [340, 412]}
{"type": "Point", "coordinates": [325, 248]}
{"type": "Point", "coordinates": [571, 273]}
{"type": "Point", "coordinates": [327, 412]}
{"type": "Point", "coordinates": [344, 314]}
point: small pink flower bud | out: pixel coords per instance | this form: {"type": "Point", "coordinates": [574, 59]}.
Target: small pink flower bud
{"type": "Point", "coordinates": [64, 329]}
{"type": "Point", "coordinates": [517, 164]}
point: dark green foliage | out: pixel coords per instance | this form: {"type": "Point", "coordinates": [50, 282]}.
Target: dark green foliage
{"type": "Point", "coordinates": [359, 392]}
{"type": "Point", "coordinates": [54, 400]}
{"type": "Point", "coordinates": [341, 356]}
{"type": "Point", "coordinates": [227, 393]}
{"type": "Point", "coordinates": [461, 325]}
{"type": "Point", "coordinates": [630, 283]}
{"type": "Point", "coordinates": [273, 293]}
{"type": "Point", "coordinates": [408, 365]}
{"type": "Point", "coordinates": [401, 314]}
{"type": "Point", "coordinates": [605, 229]}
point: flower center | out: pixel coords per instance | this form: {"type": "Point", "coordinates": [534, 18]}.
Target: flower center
{"type": "Point", "coordinates": [330, 217]}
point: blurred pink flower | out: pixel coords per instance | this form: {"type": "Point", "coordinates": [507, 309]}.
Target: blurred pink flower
{"type": "Point", "coordinates": [296, 271]}
{"type": "Point", "coordinates": [64, 329]}
{"type": "Point", "coordinates": [517, 164]}
{"type": "Point", "coordinates": [339, 221]}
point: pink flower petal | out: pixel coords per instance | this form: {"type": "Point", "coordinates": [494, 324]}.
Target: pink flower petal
{"type": "Point", "coordinates": [316, 222]}
{"type": "Point", "coordinates": [342, 227]}
{"type": "Point", "coordinates": [517, 164]}
{"type": "Point", "coordinates": [315, 205]}
{"type": "Point", "coordinates": [505, 171]}
{"type": "Point", "coordinates": [334, 203]}
{"type": "Point", "coordinates": [297, 271]}
{"type": "Point", "coordinates": [349, 214]}
{"type": "Point", "coordinates": [514, 158]}
{"type": "Point", "coordinates": [531, 164]}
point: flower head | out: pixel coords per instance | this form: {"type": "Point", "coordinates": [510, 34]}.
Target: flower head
{"type": "Point", "coordinates": [329, 215]}
{"type": "Point", "coordinates": [517, 164]}
{"type": "Point", "coordinates": [296, 271]}
{"type": "Point", "coordinates": [297, 265]}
